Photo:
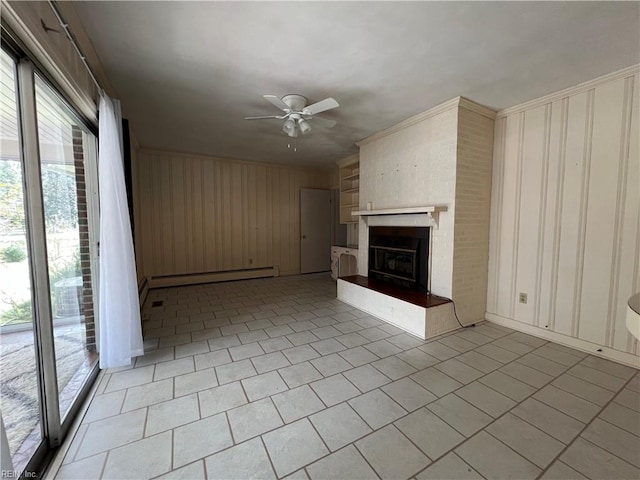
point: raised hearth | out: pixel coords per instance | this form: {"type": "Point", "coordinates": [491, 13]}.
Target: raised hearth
{"type": "Point", "coordinates": [417, 313]}
{"type": "Point", "coordinates": [412, 296]}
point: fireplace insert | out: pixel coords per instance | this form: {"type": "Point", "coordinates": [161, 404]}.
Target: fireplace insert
{"type": "Point", "coordinates": [400, 255]}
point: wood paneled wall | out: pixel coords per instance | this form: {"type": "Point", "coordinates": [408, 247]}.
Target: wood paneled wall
{"type": "Point", "coordinates": [565, 212]}
{"type": "Point", "coordinates": [203, 214]}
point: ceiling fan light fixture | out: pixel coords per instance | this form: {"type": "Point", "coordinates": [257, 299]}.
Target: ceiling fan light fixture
{"type": "Point", "coordinates": [289, 127]}
{"type": "Point", "coordinates": [304, 126]}
{"type": "Point", "coordinates": [297, 113]}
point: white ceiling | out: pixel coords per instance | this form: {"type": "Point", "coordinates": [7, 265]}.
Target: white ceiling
{"type": "Point", "coordinates": [188, 72]}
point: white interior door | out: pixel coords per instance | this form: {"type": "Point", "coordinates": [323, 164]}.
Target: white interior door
{"type": "Point", "coordinates": [315, 230]}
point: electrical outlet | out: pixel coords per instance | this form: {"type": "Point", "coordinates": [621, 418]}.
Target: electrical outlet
{"type": "Point", "coordinates": [523, 297]}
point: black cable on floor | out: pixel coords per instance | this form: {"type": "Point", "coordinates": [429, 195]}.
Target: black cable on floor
{"type": "Point", "coordinates": [456, 314]}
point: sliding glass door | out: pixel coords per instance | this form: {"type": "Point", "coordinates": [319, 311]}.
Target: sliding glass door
{"type": "Point", "coordinates": [48, 325]}
{"type": "Point", "coordinates": [63, 145]}
{"type": "Point", "coordinates": [19, 378]}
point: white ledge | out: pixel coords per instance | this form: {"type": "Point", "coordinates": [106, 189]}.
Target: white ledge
{"type": "Point", "coordinates": [412, 216]}
{"type": "Point", "coordinates": [402, 211]}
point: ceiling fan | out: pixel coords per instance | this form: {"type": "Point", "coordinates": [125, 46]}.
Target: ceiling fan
{"type": "Point", "coordinates": [297, 114]}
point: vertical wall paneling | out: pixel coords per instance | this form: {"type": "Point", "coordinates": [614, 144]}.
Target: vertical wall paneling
{"type": "Point", "coordinates": [621, 189]}
{"type": "Point", "coordinates": [569, 224]}
{"type": "Point", "coordinates": [284, 237]}
{"type": "Point", "coordinates": [145, 198]}
{"type": "Point", "coordinates": [628, 276]}
{"type": "Point", "coordinates": [189, 195]}
{"type": "Point", "coordinates": [551, 249]}
{"type": "Point", "coordinates": [198, 212]}
{"type": "Point", "coordinates": [246, 198]}
{"type": "Point", "coordinates": [166, 214]}
{"type": "Point", "coordinates": [204, 214]}
{"type": "Point", "coordinates": [179, 224]}
{"type": "Point", "coordinates": [582, 217]}
{"type": "Point", "coordinates": [209, 216]}
{"type": "Point", "coordinates": [224, 182]}
{"type": "Point", "coordinates": [572, 240]}
{"type": "Point", "coordinates": [542, 211]}
{"type": "Point", "coordinates": [217, 254]}
{"type": "Point", "coordinates": [496, 200]}
{"type": "Point", "coordinates": [294, 225]}
{"type": "Point", "coordinates": [237, 213]}
{"type": "Point", "coordinates": [516, 214]}
{"type": "Point", "coordinates": [507, 214]}
{"type": "Point", "coordinates": [528, 206]}
{"type": "Point", "coordinates": [601, 210]}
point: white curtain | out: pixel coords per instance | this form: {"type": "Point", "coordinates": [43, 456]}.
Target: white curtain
{"type": "Point", "coordinates": [120, 328]}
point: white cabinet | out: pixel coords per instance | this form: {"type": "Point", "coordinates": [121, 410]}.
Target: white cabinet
{"type": "Point", "coordinates": [344, 261]}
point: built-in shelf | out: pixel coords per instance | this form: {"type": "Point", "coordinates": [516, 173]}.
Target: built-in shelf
{"type": "Point", "coordinates": [353, 176]}
{"type": "Point", "coordinates": [349, 173]}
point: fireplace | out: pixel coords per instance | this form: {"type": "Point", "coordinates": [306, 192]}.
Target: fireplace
{"type": "Point", "coordinates": [400, 255]}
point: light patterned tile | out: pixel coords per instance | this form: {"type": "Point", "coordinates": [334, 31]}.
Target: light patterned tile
{"type": "Point", "coordinates": [347, 463]}
{"type": "Point", "coordinates": [339, 425]}
{"type": "Point", "coordinates": [297, 403]}
{"type": "Point", "coordinates": [263, 385]}
{"type": "Point", "coordinates": [167, 415]}
{"type": "Point", "coordinates": [460, 414]}
{"type": "Point", "coordinates": [449, 467]}
{"type": "Point", "coordinates": [200, 439]}
{"type": "Point", "coordinates": [112, 432]}
{"type": "Point", "coordinates": [594, 462]}
{"type": "Point", "coordinates": [253, 419]}
{"type": "Point", "coordinates": [377, 408]}
{"type": "Point", "coordinates": [248, 460]}
{"type": "Point", "coordinates": [408, 394]}
{"type": "Point", "coordinates": [493, 459]}
{"type": "Point", "coordinates": [195, 382]}
{"type": "Point", "coordinates": [294, 446]}
{"type": "Point", "coordinates": [89, 468]}
{"type": "Point", "coordinates": [430, 433]}
{"type": "Point", "coordinates": [391, 454]}
{"type": "Point", "coordinates": [533, 444]}
{"type": "Point", "coordinates": [145, 458]}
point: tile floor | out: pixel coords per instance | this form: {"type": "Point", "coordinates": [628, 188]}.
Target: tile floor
{"type": "Point", "coordinates": [276, 378]}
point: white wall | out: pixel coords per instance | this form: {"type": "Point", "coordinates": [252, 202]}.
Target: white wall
{"type": "Point", "coordinates": [565, 213]}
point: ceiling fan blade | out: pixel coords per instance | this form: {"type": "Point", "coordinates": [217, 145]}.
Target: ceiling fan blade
{"type": "Point", "coordinates": [321, 106]}
{"type": "Point", "coordinates": [323, 122]}
{"type": "Point", "coordinates": [265, 117]}
{"type": "Point", "coordinates": [277, 102]}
